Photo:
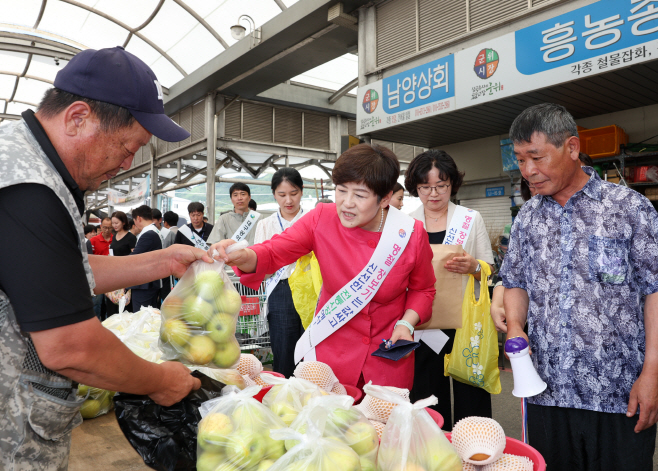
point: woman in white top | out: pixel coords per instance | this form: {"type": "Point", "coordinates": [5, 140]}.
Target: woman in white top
{"type": "Point", "coordinates": [285, 325]}
{"type": "Point", "coordinates": [433, 176]}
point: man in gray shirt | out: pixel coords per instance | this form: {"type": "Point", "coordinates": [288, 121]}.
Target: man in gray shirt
{"type": "Point", "coordinates": [228, 224]}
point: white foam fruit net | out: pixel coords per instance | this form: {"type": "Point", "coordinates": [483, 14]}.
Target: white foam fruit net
{"type": "Point", "coordinates": [471, 467]}
{"type": "Point", "coordinates": [509, 463]}
{"type": "Point", "coordinates": [378, 409]}
{"type": "Point", "coordinates": [479, 440]}
{"type": "Point", "coordinates": [317, 373]}
{"type": "Point", "coordinates": [249, 365]}
{"type": "Point", "coordinates": [339, 389]}
{"type": "Point", "coordinates": [379, 426]}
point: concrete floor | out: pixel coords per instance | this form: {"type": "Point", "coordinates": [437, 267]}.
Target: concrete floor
{"type": "Point", "coordinates": [100, 444]}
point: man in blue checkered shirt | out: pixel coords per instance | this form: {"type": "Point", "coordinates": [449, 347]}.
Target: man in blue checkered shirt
{"type": "Point", "coordinates": [582, 269]}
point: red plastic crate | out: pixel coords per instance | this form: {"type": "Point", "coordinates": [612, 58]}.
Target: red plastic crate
{"type": "Point", "coordinates": [516, 447]}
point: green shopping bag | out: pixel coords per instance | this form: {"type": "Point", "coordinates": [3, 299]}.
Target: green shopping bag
{"type": "Point", "coordinates": [474, 356]}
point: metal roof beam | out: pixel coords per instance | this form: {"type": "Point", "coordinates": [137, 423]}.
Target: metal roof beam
{"type": "Point", "coordinates": [343, 91]}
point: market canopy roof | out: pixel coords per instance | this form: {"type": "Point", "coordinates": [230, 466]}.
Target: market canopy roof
{"type": "Point", "coordinates": [176, 38]}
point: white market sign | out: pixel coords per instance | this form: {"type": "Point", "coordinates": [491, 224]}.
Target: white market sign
{"type": "Point", "coordinates": [594, 39]}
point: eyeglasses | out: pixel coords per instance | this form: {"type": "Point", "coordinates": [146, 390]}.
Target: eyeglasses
{"type": "Point", "coordinates": [427, 190]}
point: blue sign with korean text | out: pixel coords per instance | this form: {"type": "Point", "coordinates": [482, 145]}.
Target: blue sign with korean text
{"type": "Point", "coordinates": [594, 30]}
{"type": "Point", "coordinates": [420, 86]}
{"type": "Point", "coordinates": [495, 191]}
{"type": "Point", "coordinates": [509, 157]}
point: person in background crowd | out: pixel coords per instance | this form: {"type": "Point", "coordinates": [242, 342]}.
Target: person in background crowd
{"type": "Point", "coordinates": [433, 176]}
{"type": "Point", "coordinates": [134, 230]}
{"type": "Point", "coordinates": [205, 219]}
{"type": "Point", "coordinates": [580, 271]}
{"type": "Point", "coordinates": [51, 340]}
{"type": "Point", "coordinates": [102, 241]}
{"type": "Point", "coordinates": [398, 196]}
{"type": "Point", "coordinates": [157, 219]}
{"type": "Point", "coordinates": [364, 177]}
{"type": "Point", "coordinates": [197, 227]}
{"type": "Point", "coordinates": [123, 241]}
{"type": "Point", "coordinates": [323, 200]}
{"type": "Point", "coordinates": [90, 231]}
{"type": "Point", "coordinates": [253, 205]}
{"type": "Point", "coordinates": [97, 299]}
{"type": "Point", "coordinates": [169, 221]}
{"type": "Point", "coordinates": [148, 240]}
{"type": "Point", "coordinates": [285, 325]}
{"type": "Point", "coordinates": [122, 244]}
{"type": "Point", "coordinates": [229, 224]}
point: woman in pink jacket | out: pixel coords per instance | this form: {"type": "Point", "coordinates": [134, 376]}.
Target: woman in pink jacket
{"type": "Point", "coordinates": [343, 237]}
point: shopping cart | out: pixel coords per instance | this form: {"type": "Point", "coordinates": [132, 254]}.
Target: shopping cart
{"type": "Point", "coordinates": [252, 330]}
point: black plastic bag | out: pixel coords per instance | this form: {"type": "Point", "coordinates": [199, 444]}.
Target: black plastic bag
{"type": "Point", "coordinates": [165, 437]}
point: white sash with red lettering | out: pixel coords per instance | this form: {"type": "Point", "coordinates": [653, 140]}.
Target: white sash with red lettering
{"type": "Point", "coordinates": [460, 226]}
{"type": "Point", "coordinates": [355, 295]}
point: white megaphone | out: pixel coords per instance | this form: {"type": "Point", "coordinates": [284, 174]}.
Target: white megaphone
{"type": "Point", "coordinates": [527, 382]}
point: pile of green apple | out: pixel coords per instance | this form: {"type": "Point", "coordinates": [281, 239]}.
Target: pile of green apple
{"type": "Point", "coordinates": [98, 402]}
{"type": "Point", "coordinates": [287, 400]}
{"type": "Point", "coordinates": [238, 439]}
{"type": "Point", "coordinates": [348, 426]}
{"type": "Point", "coordinates": [199, 319]}
{"type": "Point", "coordinates": [323, 454]}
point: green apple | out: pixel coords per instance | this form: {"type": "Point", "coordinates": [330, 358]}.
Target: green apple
{"type": "Point", "coordinates": [229, 302]}
{"type": "Point", "coordinates": [209, 285]}
{"type": "Point", "coordinates": [227, 354]}
{"type": "Point", "coordinates": [106, 401]}
{"type": "Point", "coordinates": [208, 461]}
{"type": "Point", "coordinates": [367, 465]}
{"type": "Point", "coordinates": [343, 418]}
{"type": "Point", "coordinates": [274, 449]}
{"type": "Point", "coordinates": [341, 457]}
{"type": "Point", "coordinates": [214, 430]}
{"type": "Point", "coordinates": [249, 417]}
{"type": "Point", "coordinates": [200, 350]}
{"type": "Point", "coordinates": [175, 332]}
{"type": "Point", "coordinates": [90, 408]}
{"type": "Point", "coordinates": [196, 311]}
{"type": "Point", "coordinates": [285, 412]}
{"type": "Point", "coordinates": [362, 437]}
{"type": "Point", "coordinates": [172, 307]}
{"type": "Point", "coordinates": [245, 448]}
{"type": "Point", "coordinates": [290, 443]}
{"type": "Point", "coordinates": [441, 455]}
{"type": "Point", "coordinates": [265, 465]}
{"type": "Point", "coordinates": [82, 390]}
{"type": "Point", "coordinates": [221, 327]}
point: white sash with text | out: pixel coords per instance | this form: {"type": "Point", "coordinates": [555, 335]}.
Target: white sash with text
{"type": "Point", "coordinates": [195, 238]}
{"type": "Point", "coordinates": [246, 227]}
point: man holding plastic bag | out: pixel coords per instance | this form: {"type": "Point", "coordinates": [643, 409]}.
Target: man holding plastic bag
{"type": "Point", "coordinates": [75, 140]}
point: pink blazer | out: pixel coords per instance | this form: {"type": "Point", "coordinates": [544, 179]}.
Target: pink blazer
{"type": "Point", "coordinates": [342, 253]}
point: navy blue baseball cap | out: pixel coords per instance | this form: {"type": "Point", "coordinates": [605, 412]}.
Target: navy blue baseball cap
{"type": "Point", "coordinates": [115, 76]}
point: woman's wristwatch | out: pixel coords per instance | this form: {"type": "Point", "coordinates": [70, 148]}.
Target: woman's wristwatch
{"type": "Point", "coordinates": [477, 270]}
{"type": "Point", "coordinates": [406, 324]}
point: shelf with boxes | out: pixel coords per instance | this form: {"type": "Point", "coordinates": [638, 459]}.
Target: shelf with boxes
{"type": "Point", "coordinates": [639, 169]}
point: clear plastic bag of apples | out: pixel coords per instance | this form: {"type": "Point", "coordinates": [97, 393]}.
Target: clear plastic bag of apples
{"type": "Point", "coordinates": [199, 317]}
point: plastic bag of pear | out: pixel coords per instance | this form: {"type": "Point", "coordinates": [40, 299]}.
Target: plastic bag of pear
{"type": "Point", "coordinates": [234, 433]}
{"type": "Point", "coordinates": [412, 441]}
{"type": "Point", "coordinates": [199, 318]}
{"type": "Point", "coordinates": [98, 402]}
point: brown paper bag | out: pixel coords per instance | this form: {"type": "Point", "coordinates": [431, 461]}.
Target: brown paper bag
{"type": "Point", "coordinates": [447, 306]}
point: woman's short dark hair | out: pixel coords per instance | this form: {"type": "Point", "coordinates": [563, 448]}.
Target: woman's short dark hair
{"type": "Point", "coordinates": [121, 216]}
{"type": "Point", "coordinates": [238, 187]}
{"type": "Point", "coordinates": [525, 190]}
{"type": "Point", "coordinates": [195, 207]}
{"type": "Point", "coordinates": [252, 205]}
{"type": "Point", "coordinates": [287, 174]}
{"type": "Point", "coordinates": [111, 117]}
{"type": "Point", "coordinates": [585, 159]}
{"type": "Point", "coordinates": [421, 165]}
{"type": "Point", "coordinates": [397, 187]}
{"type": "Point", "coordinates": [374, 166]}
